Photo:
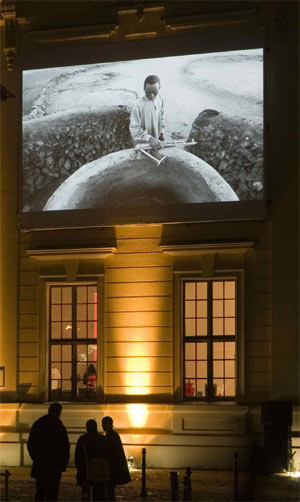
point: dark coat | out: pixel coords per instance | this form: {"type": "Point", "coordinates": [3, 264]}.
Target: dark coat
{"type": "Point", "coordinates": [48, 446]}
{"type": "Point", "coordinates": [91, 444]}
{"type": "Point", "coordinates": [116, 458]}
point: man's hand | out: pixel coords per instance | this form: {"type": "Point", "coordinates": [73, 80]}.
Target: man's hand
{"type": "Point", "coordinates": [161, 137]}
{"type": "Point", "coordinates": [154, 143]}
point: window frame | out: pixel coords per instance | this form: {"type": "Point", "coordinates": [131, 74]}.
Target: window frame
{"type": "Point", "coordinates": [179, 339]}
{"type": "Point", "coordinates": [73, 342]}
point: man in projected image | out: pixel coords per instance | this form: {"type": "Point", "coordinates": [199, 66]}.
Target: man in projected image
{"type": "Point", "coordinates": [147, 116]}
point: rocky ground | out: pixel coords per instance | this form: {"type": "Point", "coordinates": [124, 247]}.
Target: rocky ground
{"type": "Point", "coordinates": [234, 147]}
{"type": "Point", "coordinates": [206, 486]}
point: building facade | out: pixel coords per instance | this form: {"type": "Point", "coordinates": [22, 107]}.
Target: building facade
{"type": "Point", "coordinates": [178, 328]}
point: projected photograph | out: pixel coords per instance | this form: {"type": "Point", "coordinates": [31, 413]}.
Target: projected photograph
{"type": "Point", "coordinates": [163, 131]}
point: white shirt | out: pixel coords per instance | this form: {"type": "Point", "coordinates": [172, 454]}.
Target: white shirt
{"type": "Point", "coordinates": [147, 119]}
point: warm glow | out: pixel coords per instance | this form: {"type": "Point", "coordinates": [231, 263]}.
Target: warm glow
{"type": "Point", "coordinates": [137, 414]}
{"type": "Point", "coordinates": [137, 383]}
{"type": "Point", "coordinates": [294, 474]}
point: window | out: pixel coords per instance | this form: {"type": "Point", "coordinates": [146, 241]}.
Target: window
{"type": "Point", "coordinates": [209, 326]}
{"type": "Point", "coordinates": [73, 337]}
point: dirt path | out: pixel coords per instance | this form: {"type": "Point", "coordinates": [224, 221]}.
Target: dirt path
{"type": "Point", "coordinates": [231, 83]}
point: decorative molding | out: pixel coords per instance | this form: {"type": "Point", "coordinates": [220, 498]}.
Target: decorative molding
{"type": "Point", "coordinates": [151, 24]}
{"type": "Point", "coordinates": [183, 24]}
{"type": "Point", "coordinates": [73, 254]}
{"type": "Point", "coordinates": [9, 21]}
{"type": "Point", "coordinates": [5, 93]}
{"type": "Point", "coordinates": [206, 248]}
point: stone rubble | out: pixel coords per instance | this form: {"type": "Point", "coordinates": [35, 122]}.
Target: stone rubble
{"type": "Point", "coordinates": [54, 147]}
{"type": "Point", "coordinates": [234, 147]}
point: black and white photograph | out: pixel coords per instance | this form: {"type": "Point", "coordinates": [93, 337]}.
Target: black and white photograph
{"type": "Point", "coordinates": [150, 132]}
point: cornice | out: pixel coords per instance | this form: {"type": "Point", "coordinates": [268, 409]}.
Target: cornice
{"type": "Point", "coordinates": [197, 249]}
{"type": "Point", "coordinates": [70, 253]}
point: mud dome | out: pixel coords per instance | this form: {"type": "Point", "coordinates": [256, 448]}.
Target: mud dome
{"type": "Point", "coordinates": [120, 179]}
{"type": "Point", "coordinates": [55, 146]}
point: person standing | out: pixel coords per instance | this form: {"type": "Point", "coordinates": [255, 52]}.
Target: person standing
{"type": "Point", "coordinates": [116, 457]}
{"type": "Point", "coordinates": [91, 454]}
{"type": "Point", "coordinates": [147, 116]}
{"type": "Point", "coordinates": [48, 446]}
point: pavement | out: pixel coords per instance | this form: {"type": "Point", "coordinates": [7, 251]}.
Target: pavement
{"type": "Point", "coordinates": [206, 486]}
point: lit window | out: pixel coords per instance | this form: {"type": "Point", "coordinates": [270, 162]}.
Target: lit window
{"type": "Point", "coordinates": [73, 342]}
{"type": "Point", "coordinates": [209, 325]}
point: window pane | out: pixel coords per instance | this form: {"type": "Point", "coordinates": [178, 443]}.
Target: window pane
{"type": "Point", "coordinates": [55, 330]}
{"type": "Point", "coordinates": [190, 370]}
{"type": "Point", "coordinates": [218, 327]}
{"type": "Point", "coordinates": [201, 327]}
{"type": "Point", "coordinates": [66, 328]}
{"type": "Point", "coordinates": [190, 387]}
{"type": "Point", "coordinates": [56, 313]}
{"type": "Point", "coordinates": [81, 330]}
{"type": "Point", "coordinates": [90, 376]}
{"type": "Point", "coordinates": [55, 384]}
{"type": "Point", "coordinates": [202, 351]}
{"type": "Point", "coordinates": [66, 388]}
{"type": "Point", "coordinates": [92, 294]}
{"type": "Point", "coordinates": [218, 308]}
{"type": "Point", "coordinates": [217, 289]}
{"type": "Point", "coordinates": [229, 326]}
{"type": "Point", "coordinates": [190, 351]}
{"type": "Point", "coordinates": [56, 353]}
{"type": "Point", "coordinates": [201, 388]}
{"type": "Point", "coordinates": [80, 371]}
{"type": "Point", "coordinates": [201, 369]}
{"type": "Point", "coordinates": [219, 387]}
{"type": "Point", "coordinates": [190, 310]}
{"type": "Point", "coordinates": [190, 327]}
{"type": "Point", "coordinates": [92, 329]}
{"type": "Point", "coordinates": [229, 369]}
{"type": "Point", "coordinates": [55, 295]}
{"type": "Point", "coordinates": [218, 369]}
{"type": "Point", "coordinates": [67, 312]}
{"type": "Point", "coordinates": [229, 308]}
{"type": "Point", "coordinates": [230, 388]}
{"type": "Point", "coordinates": [92, 352]}
{"type": "Point", "coordinates": [81, 294]}
{"type": "Point", "coordinates": [67, 294]}
{"type": "Point", "coordinates": [81, 312]}
{"type": "Point", "coordinates": [201, 308]}
{"type": "Point", "coordinates": [81, 352]}
{"type": "Point", "coordinates": [190, 290]}
{"type": "Point", "coordinates": [229, 289]}
{"type": "Point", "coordinates": [230, 350]}
{"type": "Point", "coordinates": [92, 312]}
{"type": "Point", "coordinates": [56, 371]}
{"type": "Point", "coordinates": [218, 350]}
{"type": "Point", "coordinates": [67, 370]}
{"type": "Point", "coordinates": [202, 290]}
{"type": "Point", "coordinates": [66, 353]}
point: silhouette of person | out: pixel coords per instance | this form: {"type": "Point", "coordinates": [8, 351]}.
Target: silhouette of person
{"type": "Point", "coordinates": [49, 448]}
{"type": "Point", "coordinates": [91, 444]}
{"type": "Point", "coordinates": [116, 457]}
